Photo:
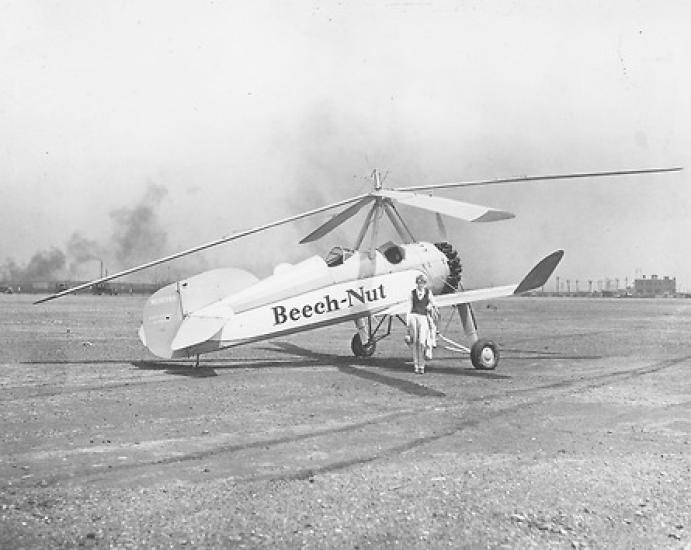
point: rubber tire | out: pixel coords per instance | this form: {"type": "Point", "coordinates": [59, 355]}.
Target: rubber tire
{"type": "Point", "coordinates": [480, 358]}
{"type": "Point", "coordinates": [360, 350]}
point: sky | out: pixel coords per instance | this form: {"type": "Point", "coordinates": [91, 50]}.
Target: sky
{"type": "Point", "coordinates": [129, 130]}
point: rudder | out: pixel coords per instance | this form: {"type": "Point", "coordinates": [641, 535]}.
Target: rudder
{"type": "Point", "coordinates": [168, 307]}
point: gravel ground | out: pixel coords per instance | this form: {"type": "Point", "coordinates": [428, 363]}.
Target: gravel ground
{"type": "Point", "coordinates": [579, 440]}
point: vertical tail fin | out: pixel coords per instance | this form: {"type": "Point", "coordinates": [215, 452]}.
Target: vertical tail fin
{"type": "Point", "coordinates": [166, 310]}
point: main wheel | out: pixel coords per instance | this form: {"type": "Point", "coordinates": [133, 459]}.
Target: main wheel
{"type": "Point", "coordinates": [360, 349]}
{"type": "Point", "coordinates": [484, 355]}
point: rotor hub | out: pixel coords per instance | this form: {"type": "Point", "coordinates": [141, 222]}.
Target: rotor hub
{"type": "Point", "coordinates": [376, 177]}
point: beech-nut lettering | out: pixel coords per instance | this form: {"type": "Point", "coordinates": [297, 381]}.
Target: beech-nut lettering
{"type": "Point", "coordinates": [328, 304]}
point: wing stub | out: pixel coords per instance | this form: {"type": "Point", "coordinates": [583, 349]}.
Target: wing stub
{"type": "Point", "coordinates": [538, 276]}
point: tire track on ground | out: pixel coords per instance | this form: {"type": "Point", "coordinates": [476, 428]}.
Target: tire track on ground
{"type": "Point", "coordinates": [560, 388]}
{"type": "Point", "coordinates": [396, 450]}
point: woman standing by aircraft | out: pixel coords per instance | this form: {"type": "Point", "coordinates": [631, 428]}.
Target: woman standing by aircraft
{"type": "Point", "coordinates": [421, 326]}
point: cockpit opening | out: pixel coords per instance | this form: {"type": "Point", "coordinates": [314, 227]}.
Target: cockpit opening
{"type": "Point", "coordinates": [337, 255]}
{"type": "Point", "coordinates": [392, 252]}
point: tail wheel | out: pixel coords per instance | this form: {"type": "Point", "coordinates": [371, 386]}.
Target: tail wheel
{"type": "Point", "coordinates": [484, 355]}
{"type": "Point", "coordinates": [362, 350]}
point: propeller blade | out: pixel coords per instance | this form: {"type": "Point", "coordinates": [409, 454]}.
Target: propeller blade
{"type": "Point", "coordinates": [337, 220]}
{"type": "Point", "coordinates": [449, 207]}
{"type": "Point", "coordinates": [521, 179]}
{"type": "Point", "coordinates": [200, 247]}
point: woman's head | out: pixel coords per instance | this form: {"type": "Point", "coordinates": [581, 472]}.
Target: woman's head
{"type": "Point", "coordinates": [421, 280]}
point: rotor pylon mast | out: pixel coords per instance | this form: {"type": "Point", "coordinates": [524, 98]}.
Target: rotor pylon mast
{"type": "Point", "coordinates": [410, 237]}
{"type": "Point", "coordinates": [400, 228]}
{"type": "Point", "coordinates": [378, 210]}
{"type": "Point", "coordinates": [377, 213]}
{"type": "Point", "coordinates": [381, 206]}
{"type": "Point", "coordinates": [365, 227]}
{"type": "Point", "coordinates": [376, 176]}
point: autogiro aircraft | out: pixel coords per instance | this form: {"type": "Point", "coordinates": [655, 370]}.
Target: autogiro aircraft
{"type": "Point", "coordinates": [367, 284]}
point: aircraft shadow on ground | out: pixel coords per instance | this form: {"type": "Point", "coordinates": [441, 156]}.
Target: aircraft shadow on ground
{"type": "Point", "coordinates": [308, 358]}
{"type": "Point", "coordinates": [179, 369]}
{"type": "Point", "coordinates": [209, 368]}
{"type": "Point", "coordinates": [349, 365]}
{"type": "Point", "coordinates": [77, 362]}
{"type": "Point", "coordinates": [305, 358]}
{"type": "Point", "coordinates": [535, 354]}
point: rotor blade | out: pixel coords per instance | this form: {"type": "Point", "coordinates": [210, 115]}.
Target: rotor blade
{"type": "Point", "coordinates": [337, 220]}
{"type": "Point", "coordinates": [450, 207]}
{"type": "Point", "coordinates": [200, 247]}
{"type": "Point", "coordinates": [537, 178]}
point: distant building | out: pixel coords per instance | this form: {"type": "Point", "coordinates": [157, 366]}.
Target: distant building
{"type": "Point", "coordinates": [655, 286]}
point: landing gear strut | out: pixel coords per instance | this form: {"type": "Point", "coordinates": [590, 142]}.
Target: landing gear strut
{"type": "Point", "coordinates": [484, 354]}
{"type": "Point", "coordinates": [370, 331]}
{"type": "Point", "coordinates": [360, 349]}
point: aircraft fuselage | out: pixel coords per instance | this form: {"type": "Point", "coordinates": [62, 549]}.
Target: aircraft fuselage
{"type": "Point", "coordinates": [209, 312]}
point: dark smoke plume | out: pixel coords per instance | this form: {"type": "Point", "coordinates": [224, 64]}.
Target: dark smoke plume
{"type": "Point", "coordinates": [44, 265]}
{"type": "Point", "coordinates": [138, 235]}
{"type": "Point", "coordinates": [137, 238]}
{"type": "Point", "coordinates": [80, 250]}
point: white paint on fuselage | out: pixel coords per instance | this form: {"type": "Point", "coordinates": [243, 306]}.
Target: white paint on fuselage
{"type": "Point", "coordinates": [314, 274]}
{"type": "Point", "coordinates": [311, 294]}
{"type": "Point", "coordinates": [325, 306]}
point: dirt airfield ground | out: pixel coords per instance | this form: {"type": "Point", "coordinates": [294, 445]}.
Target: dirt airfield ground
{"type": "Point", "coordinates": [579, 439]}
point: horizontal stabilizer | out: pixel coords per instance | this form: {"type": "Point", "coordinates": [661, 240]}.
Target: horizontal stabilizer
{"type": "Point", "coordinates": [174, 305]}
{"type": "Point", "coordinates": [195, 330]}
